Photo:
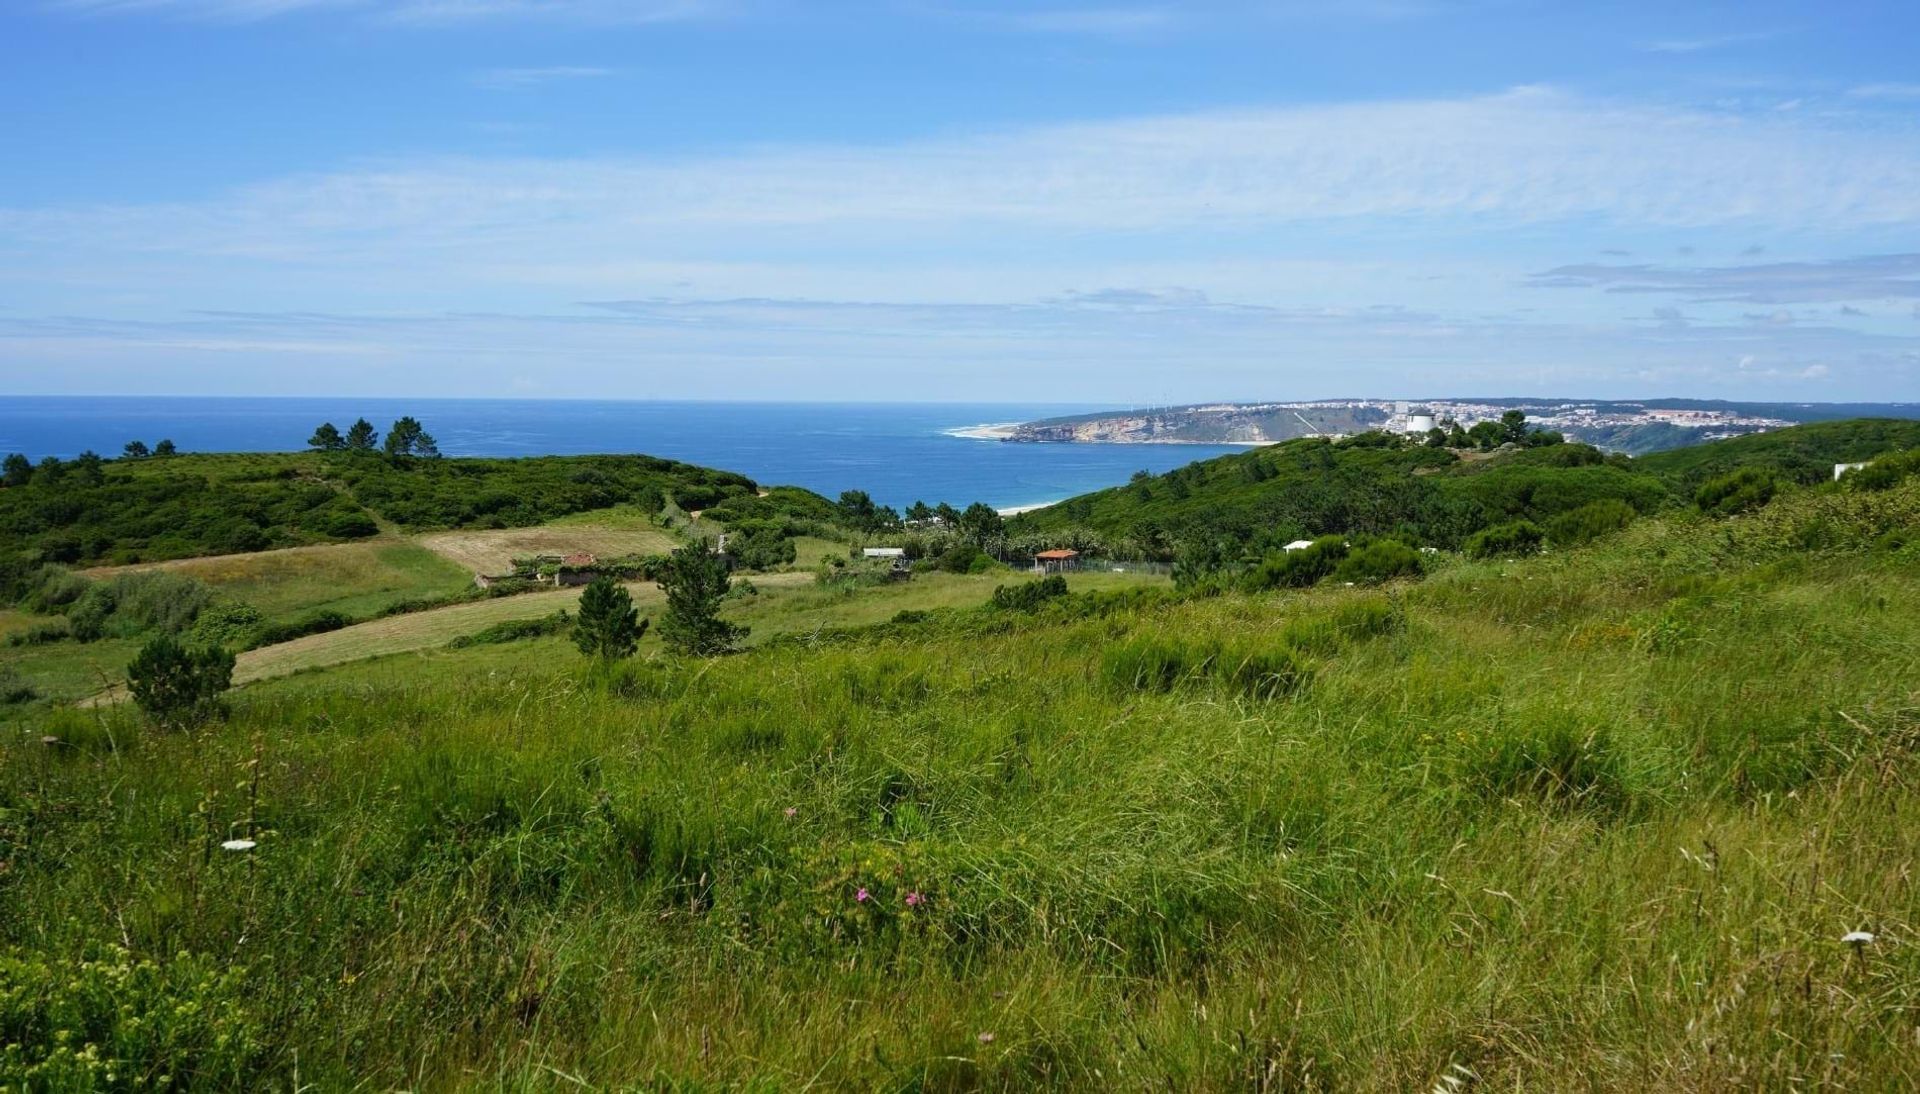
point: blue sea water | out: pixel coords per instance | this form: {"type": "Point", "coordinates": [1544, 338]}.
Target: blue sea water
{"type": "Point", "coordinates": [899, 453]}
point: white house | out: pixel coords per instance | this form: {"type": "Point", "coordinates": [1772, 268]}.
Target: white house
{"type": "Point", "coordinates": [1299, 545]}
{"type": "Point", "coordinates": [883, 552]}
{"type": "Point", "coordinates": [1840, 469]}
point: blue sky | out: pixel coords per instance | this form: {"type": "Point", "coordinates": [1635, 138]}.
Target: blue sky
{"type": "Point", "coordinates": [960, 201]}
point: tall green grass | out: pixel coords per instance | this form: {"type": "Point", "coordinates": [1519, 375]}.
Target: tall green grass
{"type": "Point", "coordinates": [1595, 819]}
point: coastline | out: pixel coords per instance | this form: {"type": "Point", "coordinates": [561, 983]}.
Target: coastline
{"type": "Point", "coordinates": [993, 431]}
{"type": "Point", "coordinates": [1016, 510]}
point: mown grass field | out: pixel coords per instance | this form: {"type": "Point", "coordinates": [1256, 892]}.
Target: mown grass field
{"type": "Point", "coordinates": [354, 579]}
{"type": "Point", "coordinates": [1597, 820]}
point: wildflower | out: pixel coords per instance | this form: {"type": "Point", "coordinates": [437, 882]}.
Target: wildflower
{"type": "Point", "coordinates": [238, 845]}
{"type": "Point", "coordinates": [914, 900]}
{"type": "Point", "coordinates": [861, 896]}
{"type": "Point", "coordinates": [792, 812]}
{"type": "Point", "coordinates": [1857, 938]}
{"type": "Point", "coordinates": [985, 1038]}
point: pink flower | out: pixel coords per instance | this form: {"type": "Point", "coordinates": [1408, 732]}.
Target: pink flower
{"type": "Point", "coordinates": [792, 812]}
{"type": "Point", "coordinates": [861, 896]}
{"type": "Point", "coordinates": [914, 900]}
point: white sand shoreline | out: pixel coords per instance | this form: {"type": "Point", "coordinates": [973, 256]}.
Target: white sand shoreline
{"type": "Point", "coordinates": [992, 431]}
{"type": "Point", "coordinates": [1016, 510]}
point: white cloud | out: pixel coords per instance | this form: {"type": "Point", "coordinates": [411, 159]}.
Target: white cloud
{"type": "Point", "coordinates": [1526, 157]}
{"type": "Point", "coordinates": [1814, 372]}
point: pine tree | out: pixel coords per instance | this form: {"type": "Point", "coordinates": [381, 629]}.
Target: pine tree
{"type": "Point", "coordinates": [609, 626]}
{"type": "Point", "coordinates": [326, 438]}
{"type": "Point", "coordinates": [179, 687]}
{"type": "Point", "coordinates": [16, 471]}
{"type": "Point", "coordinates": [361, 437]}
{"type": "Point", "coordinates": [135, 450]}
{"type": "Point", "coordinates": [695, 581]}
{"type": "Point", "coordinates": [164, 448]}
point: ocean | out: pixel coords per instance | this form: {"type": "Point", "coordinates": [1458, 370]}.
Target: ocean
{"type": "Point", "coordinates": [899, 453]}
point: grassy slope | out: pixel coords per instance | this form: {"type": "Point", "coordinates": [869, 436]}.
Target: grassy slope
{"type": "Point", "coordinates": [1805, 453]}
{"type": "Point", "coordinates": [1585, 821]}
{"type": "Point", "coordinates": [354, 579]}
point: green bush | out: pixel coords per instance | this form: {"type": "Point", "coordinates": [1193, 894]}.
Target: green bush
{"type": "Point", "coordinates": [515, 630]}
{"type": "Point", "coordinates": [112, 1021]}
{"type": "Point", "coordinates": [52, 589]}
{"type": "Point", "coordinates": [231, 624]}
{"type": "Point", "coordinates": [1377, 561]}
{"type": "Point", "coordinates": [177, 687]}
{"type": "Point", "coordinates": [14, 690]}
{"type": "Point", "coordinates": [42, 634]}
{"type": "Point", "coordinates": [1737, 492]}
{"type": "Point", "coordinates": [272, 634]}
{"type": "Point", "coordinates": [961, 558]}
{"type": "Point", "coordinates": [1353, 621]}
{"type": "Point", "coordinates": [1298, 569]}
{"type": "Point", "coordinates": [1589, 522]}
{"type": "Point", "coordinates": [1883, 473]}
{"type": "Point", "coordinates": [1028, 596]}
{"type": "Point", "coordinates": [1511, 540]}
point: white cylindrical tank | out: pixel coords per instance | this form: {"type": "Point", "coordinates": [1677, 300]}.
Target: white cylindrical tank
{"type": "Point", "coordinates": [1420, 423]}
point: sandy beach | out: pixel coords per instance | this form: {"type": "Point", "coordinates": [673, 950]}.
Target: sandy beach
{"type": "Point", "coordinates": [1016, 510]}
{"type": "Point", "coordinates": [992, 432]}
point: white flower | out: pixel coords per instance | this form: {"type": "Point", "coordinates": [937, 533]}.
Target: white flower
{"type": "Point", "coordinates": [238, 845]}
{"type": "Point", "coordinates": [1857, 938]}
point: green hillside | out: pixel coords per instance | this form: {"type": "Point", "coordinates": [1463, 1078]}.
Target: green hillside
{"type": "Point", "coordinates": [135, 510]}
{"type": "Point", "coordinates": [1365, 484]}
{"type": "Point", "coordinates": [1804, 453]}
{"type": "Point", "coordinates": [1373, 484]}
{"type": "Point", "coordinates": [1578, 821]}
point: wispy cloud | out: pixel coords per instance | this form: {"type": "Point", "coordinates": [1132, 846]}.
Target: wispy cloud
{"type": "Point", "coordinates": [1876, 277]}
{"type": "Point", "coordinates": [1709, 42]}
{"type": "Point", "coordinates": [509, 79]}
{"type": "Point", "coordinates": [1885, 91]}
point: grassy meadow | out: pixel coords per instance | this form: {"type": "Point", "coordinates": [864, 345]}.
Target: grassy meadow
{"type": "Point", "coordinates": [1598, 819]}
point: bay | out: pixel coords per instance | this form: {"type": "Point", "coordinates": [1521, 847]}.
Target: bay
{"type": "Point", "coordinates": [897, 452]}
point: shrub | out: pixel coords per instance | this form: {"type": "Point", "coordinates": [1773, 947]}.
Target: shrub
{"type": "Point", "coordinates": [52, 589]}
{"type": "Point", "coordinates": [515, 630]}
{"type": "Point", "coordinates": [227, 623]}
{"type": "Point", "coordinates": [1028, 596]}
{"type": "Point", "coordinates": [1737, 492]}
{"type": "Point", "coordinates": [273, 634]}
{"type": "Point", "coordinates": [1298, 569]}
{"type": "Point", "coordinates": [177, 687]}
{"type": "Point", "coordinates": [1511, 540]}
{"type": "Point", "coordinates": [14, 690]}
{"type": "Point", "coordinates": [42, 634]}
{"type": "Point", "coordinates": [1378, 561]}
{"type": "Point", "coordinates": [1883, 473]}
{"type": "Point", "coordinates": [961, 557]}
{"type": "Point", "coordinates": [1589, 522]}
